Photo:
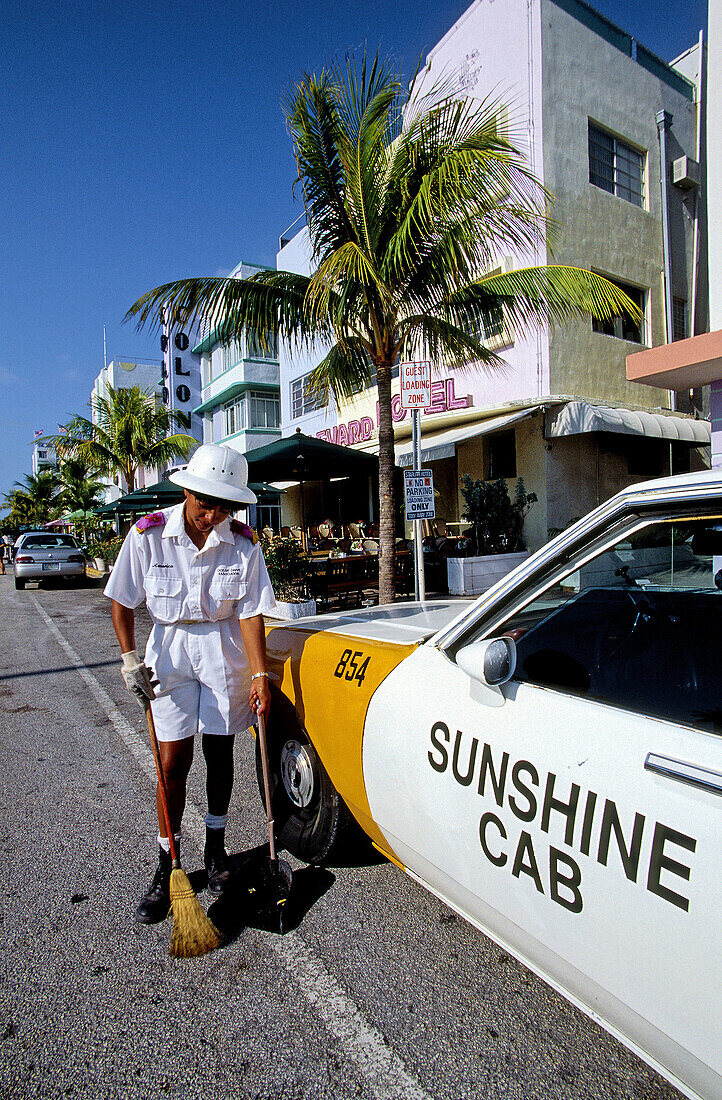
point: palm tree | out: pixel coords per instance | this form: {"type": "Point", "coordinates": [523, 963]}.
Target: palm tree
{"type": "Point", "coordinates": [128, 430]}
{"type": "Point", "coordinates": [34, 500]}
{"type": "Point", "coordinates": [409, 200]}
{"type": "Point", "coordinates": [80, 491]}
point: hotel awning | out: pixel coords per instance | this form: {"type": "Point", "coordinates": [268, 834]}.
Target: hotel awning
{"type": "Point", "coordinates": [578, 417]}
{"type": "Point", "coordinates": [163, 495]}
{"type": "Point", "coordinates": [301, 457]}
{"type": "Point", "coordinates": [443, 444]}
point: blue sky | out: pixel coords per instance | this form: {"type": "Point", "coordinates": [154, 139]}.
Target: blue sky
{"type": "Point", "coordinates": [144, 141]}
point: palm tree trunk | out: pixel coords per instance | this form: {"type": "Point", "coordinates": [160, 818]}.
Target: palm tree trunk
{"type": "Point", "coordinates": [387, 507]}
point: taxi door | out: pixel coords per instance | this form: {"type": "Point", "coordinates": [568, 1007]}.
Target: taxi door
{"type": "Point", "coordinates": [580, 835]}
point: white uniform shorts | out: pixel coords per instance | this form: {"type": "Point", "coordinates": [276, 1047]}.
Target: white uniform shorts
{"type": "Point", "coordinates": [204, 679]}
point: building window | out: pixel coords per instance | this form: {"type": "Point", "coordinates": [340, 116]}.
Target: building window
{"type": "Point", "coordinates": [615, 166]}
{"type": "Point", "coordinates": [656, 457]}
{"type": "Point", "coordinates": [207, 369]}
{"type": "Point", "coordinates": [501, 455]}
{"type": "Point", "coordinates": [230, 355]}
{"type": "Point", "coordinates": [268, 515]}
{"type": "Point", "coordinates": [256, 350]}
{"type": "Point", "coordinates": [623, 327]}
{"type": "Point", "coordinates": [303, 400]}
{"type": "Point", "coordinates": [252, 410]}
{"type": "Point", "coordinates": [265, 410]}
{"type": "Point", "coordinates": [679, 318]}
{"type": "Point", "coordinates": [493, 322]}
{"type": "Point", "coordinates": [234, 417]}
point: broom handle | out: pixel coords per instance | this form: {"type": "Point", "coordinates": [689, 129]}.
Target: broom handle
{"type": "Point", "coordinates": [266, 781]}
{"type": "Point", "coordinates": [161, 783]}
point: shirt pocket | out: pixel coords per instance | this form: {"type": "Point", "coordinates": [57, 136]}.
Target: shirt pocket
{"type": "Point", "coordinates": [164, 598]}
{"type": "Point", "coordinates": [224, 595]}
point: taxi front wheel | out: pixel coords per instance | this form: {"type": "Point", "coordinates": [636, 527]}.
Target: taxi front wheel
{"type": "Point", "coordinates": [311, 819]}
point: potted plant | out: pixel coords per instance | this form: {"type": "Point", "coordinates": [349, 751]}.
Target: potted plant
{"type": "Point", "coordinates": [289, 569]}
{"type": "Point", "coordinates": [494, 537]}
{"type": "Point", "coordinates": [104, 551]}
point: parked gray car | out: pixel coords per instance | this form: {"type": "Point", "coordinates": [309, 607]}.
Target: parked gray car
{"type": "Point", "coordinates": [41, 555]}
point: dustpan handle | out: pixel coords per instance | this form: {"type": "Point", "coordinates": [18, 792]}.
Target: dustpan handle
{"type": "Point", "coordinates": [161, 782]}
{"type": "Point", "coordinates": [266, 781]}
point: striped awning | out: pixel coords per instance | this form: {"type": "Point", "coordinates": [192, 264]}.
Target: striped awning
{"type": "Point", "coordinates": [578, 417]}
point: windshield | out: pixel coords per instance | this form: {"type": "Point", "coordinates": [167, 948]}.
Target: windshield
{"type": "Point", "coordinates": [48, 541]}
{"type": "Point", "coordinates": [636, 626]}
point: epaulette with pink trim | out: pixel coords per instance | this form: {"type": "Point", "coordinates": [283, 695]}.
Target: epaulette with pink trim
{"type": "Point", "coordinates": [239, 528]}
{"type": "Point", "coordinates": [155, 519]}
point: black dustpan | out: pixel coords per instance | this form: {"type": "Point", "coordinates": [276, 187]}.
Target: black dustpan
{"type": "Point", "coordinates": [274, 877]}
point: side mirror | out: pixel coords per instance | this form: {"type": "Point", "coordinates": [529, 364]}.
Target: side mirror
{"type": "Point", "coordinates": [492, 661]}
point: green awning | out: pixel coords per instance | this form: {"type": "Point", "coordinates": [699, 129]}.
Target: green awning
{"type": "Point", "coordinates": [301, 457]}
{"type": "Point", "coordinates": [164, 494]}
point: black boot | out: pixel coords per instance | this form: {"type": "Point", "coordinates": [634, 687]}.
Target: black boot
{"type": "Point", "coordinates": [154, 906]}
{"type": "Point", "coordinates": [217, 864]}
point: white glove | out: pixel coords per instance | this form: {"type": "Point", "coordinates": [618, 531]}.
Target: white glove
{"type": "Point", "coordinates": [137, 677]}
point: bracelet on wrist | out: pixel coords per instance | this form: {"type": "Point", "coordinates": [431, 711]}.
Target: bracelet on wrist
{"type": "Point", "coordinates": [257, 675]}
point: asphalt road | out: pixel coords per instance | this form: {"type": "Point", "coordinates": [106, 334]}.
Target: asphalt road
{"type": "Point", "coordinates": [378, 991]}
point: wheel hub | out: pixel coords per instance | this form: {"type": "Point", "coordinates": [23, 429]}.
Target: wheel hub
{"type": "Point", "coordinates": [297, 773]}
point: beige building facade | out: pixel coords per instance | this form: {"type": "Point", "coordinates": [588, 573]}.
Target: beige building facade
{"type": "Point", "coordinates": [596, 115]}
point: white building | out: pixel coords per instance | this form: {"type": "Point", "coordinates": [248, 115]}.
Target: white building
{"type": "Point", "coordinates": [240, 403]}
{"type": "Point", "coordinates": [594, 112]}
{"type": "Point", "coordinates": [44, 458]}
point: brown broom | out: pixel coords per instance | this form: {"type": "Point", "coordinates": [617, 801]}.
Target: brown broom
{"type": "Point", "coordinates": [193, 932]}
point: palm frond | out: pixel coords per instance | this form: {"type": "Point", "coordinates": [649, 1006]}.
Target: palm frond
{"type": "Point", "coordinates": [268, 301]}
{"type": "Point", "coordinates": [445, 343]}
{"type": "Point", "coordinates": [317, 132]}
{"type": "Point", "coordinates": [554, 293]}
{"type": "Point", "coordinates": [343, 372]}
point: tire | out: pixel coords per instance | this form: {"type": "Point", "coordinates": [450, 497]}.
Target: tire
{"type": "Point", "coordinates": [19, 584]}
{"type": "Point", "coordinates": [311, 819]}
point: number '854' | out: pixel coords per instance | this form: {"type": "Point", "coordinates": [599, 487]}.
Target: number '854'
{"type": "Point", "coordinates": [352, 666]}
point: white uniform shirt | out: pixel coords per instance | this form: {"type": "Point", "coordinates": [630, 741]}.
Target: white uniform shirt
{"type": "Point", "coordinates": [182, 584]}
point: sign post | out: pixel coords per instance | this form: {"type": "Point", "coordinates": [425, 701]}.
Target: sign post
{"type": "Point", "coordinates": [416, 394]}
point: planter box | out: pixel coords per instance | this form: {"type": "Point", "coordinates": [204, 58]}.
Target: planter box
{"type": "Point", "coordinates": [292, 610]}
{"type": "Point", "coordinates": [472, 576]}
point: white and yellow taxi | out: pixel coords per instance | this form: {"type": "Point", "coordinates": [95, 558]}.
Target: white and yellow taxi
{"type": "Point", "coordinates": [547, 760]}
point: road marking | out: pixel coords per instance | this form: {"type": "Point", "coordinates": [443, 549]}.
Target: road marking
{"type": "Point", "coordinates": [363, 1044]}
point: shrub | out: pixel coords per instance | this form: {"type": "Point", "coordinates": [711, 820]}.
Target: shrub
{"type": "Point", "coordinates": [496, 520]}
{"type": "Point", "coordinates": [288, 567]}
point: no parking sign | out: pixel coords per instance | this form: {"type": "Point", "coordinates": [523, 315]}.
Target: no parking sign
{"type": "Point", "coordinates": [419, 494]}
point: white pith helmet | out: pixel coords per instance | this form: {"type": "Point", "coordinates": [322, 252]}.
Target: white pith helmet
{"type": "Point", "coordinates": [217, 471]}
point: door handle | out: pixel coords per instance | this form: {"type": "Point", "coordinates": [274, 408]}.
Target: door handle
{"type": "Point", "coordinates": [693, 774]}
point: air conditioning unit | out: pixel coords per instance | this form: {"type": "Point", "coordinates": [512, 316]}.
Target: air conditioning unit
{"type": "Point", "coordinates": [685, 173]}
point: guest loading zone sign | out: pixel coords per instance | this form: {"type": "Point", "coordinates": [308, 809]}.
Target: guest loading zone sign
{"type": "Point", "coordinates": [418, 484]}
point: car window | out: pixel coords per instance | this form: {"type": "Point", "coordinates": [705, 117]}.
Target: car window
{"type": "Point", "coordinates": [637, 626]}
{"type": "Point", "coordinates": [48, 541]}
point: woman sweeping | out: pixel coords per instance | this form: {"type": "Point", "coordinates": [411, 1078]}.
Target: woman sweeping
{"type": "Point", "coordinates": [206, 588]}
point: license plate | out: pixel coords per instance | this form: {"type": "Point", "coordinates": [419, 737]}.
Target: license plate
{"type": "Point", "coordinates": [48, 565]}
